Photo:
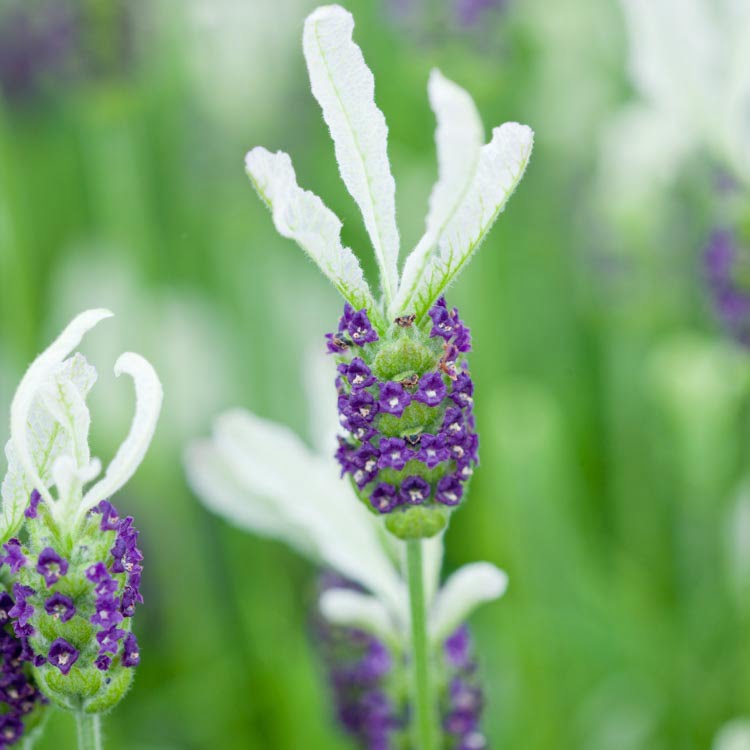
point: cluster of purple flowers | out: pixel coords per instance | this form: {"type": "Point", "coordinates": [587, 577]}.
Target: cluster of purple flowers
{"type": "Point", "coordinates": [729, 283]}
{"type": "Point", "coordinates": [365, 675]}
{"type": "Point", "coordinates": [411, 436]}
{"type": "Point", "coordinates": [19, 695]}
{"type": "Point", "coordinates": [107, 594]}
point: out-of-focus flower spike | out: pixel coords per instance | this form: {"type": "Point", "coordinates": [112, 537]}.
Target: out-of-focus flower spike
{"type": "Point", "coordinates": [463, 592]}
{"type": "Point", "coordinates": [30, 385]}
{"type": "Point", "coordinates": [148, 399]}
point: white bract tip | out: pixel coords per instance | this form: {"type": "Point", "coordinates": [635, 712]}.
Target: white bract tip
{"type": "Point", "coordinates": [356, 610]}
{"type": "Point", "coordinates": [50, 426]}
{"type": "Point", "coordinates": [462, 593]}
{"type": "Point", "coordinates": [148, 399]}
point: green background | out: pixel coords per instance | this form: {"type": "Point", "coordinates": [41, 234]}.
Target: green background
{"type": "Point", "coordinates": [612, 412]}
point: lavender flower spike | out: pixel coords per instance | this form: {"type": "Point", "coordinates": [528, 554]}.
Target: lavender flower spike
{"type": "Point", "coordinates": [77, 565]}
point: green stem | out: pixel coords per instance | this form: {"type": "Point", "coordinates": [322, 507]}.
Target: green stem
{"type": "Point", "coordinates": [423, 700]}
{"type": "Point", "coordinates": [89, 731]}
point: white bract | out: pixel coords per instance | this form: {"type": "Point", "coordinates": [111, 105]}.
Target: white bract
{"type": "Point", "coordinates": [735, 735]}
{"type": "Point", "coordinates": [474, 181]}
{"type": "Point", "coordinates": [689, 61]}
{"type": "Point", "coordinates": [48, 450]}
{"type": "Point", "coordinates": [262, 477]}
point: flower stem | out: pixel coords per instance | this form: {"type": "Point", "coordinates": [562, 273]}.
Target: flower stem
{"type": "Point", "coordinates": [89, 731]}
{"type": "Point", "coordinates": [423, 698]}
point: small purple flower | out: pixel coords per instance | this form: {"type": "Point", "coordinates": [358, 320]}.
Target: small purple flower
{"type": "Point", "coordinates": [414, 490]}
{"type": "Point", "coordinates": [361, 330]}
{"type": "Point", "coordinates": [130, 597]}
{"type": "Point", "coordinates": [110, 518]}
{"type": "Point", "coordinates": [103, 662]}
{"type": "Point", "coordinates": [432, 450]}
{"type": "Point", "coordinates": [357, 373]}
{"type": "Point", "coordinates": [393, 398]}
{"type": "Point", "coordinates": [97, 573]}
{"type": "Point", "coordinates": [22, 610]}
{"type": "Point", "coordinates": [362, 408]}
{"type": "Point", "coordinates": [457, 648]}
{"type": "Point", "coordinates": [6, 604]}
{"type": "Point", "coordinates": [443, 322]}
{"type": "Point", "coordinates": [454, 425]}
{"type": "Point", "coordinates": [109, 639]}
{"type": "Point", "coordinates": [394, 454]}
{"type": "Point", "coordinates": [34, 500]}
{"type": "Point", "coordinates": [62, 655]}
{"type": "Point", "coordinates": [107, 613]}
{"type": "Point", "coordinates": [130, 655]}
{"type": "Point", "coordinates": [51, 566]}
{"type": "Point", "coordinates": [462, 390]}
{"type": "Point", "coordinates": [449, 491]}
{"type": "Point", "coordinates": [11, 730]}
{"type": "Point", "coordinates": [60, 607]}
{"type": "Point", "coordinates": [431, 389]}
{"type": "Point", "coordinates": [383, 497]}
{"type": "Point", "coordinates": [15, 559]}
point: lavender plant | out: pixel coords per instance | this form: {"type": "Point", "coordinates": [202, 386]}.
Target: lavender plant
{"type": "Point", "coordinates": [408, 440]}
{"type": "Point", "coordinates": [70, 563]}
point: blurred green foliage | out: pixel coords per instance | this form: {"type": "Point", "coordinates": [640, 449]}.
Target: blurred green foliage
{"type": "Point", "coordinates": [613, 483]}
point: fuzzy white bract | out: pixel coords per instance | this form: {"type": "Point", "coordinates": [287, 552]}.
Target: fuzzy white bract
{"type": "Point", "coordinates": [474, 183]}
{"type": "Point", "coordinates": [689, 61]}
{"type": "Point", "coordinates": [49, 450]}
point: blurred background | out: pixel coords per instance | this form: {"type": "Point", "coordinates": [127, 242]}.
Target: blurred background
{"type": "Point", "coordinates": [608, 306]}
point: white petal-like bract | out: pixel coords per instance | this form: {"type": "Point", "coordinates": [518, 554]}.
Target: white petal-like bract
{"type": "Point", "coordinates": [462, 593]}
{"type": "Point", "coordinates": [148, 399]}
{"type": "Point", "coordinates": [266, 465]}
{"type": "Point", "coordinates": [32, 442]}
{"type": "Point", "coordinates": [459, 137]}
{"type": "Point", "coordinates": [301, 216]}
{"type": "Point", "coordinates": [345, 89]}
{"type": "Point", "coordinates": [356, 610]}
{"type": "Point", "coordinates": [499, 169]}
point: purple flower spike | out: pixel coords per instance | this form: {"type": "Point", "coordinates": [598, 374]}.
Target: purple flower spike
{"type": "Point", "coordinates": [361, 330]}
{"type": "Point", "coordinates": [62, 655]}
{"type": "Point", "coordinates": [414, 490]}
{"type": "Point", "coordinates": [60, 607]}
{"type": "Point", "coordinates": [358, 374]}
{"type": "Point", "coordinates": [130, 654]}
{"type": "Point", "coordinates": [432, 451]}
{"type": "Point", "coordinates": [383, 497]}
{"type": "Point", "coordinates": [34, 500]}
{"type": "Point", "coordinates": [107, 612]}
{"type": "Point", "coordinates": [393, 398]}
{"type": "Point", "coordinates": [15, 559]}
{"type": "Point", "coordinates": [449, 491]}
{"type": "Point", "coordinates": [51, 566]}
{"type": "Point", "coordinates": [394, 454]}
{"type": "Point", "coordinates": [431, 389]}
